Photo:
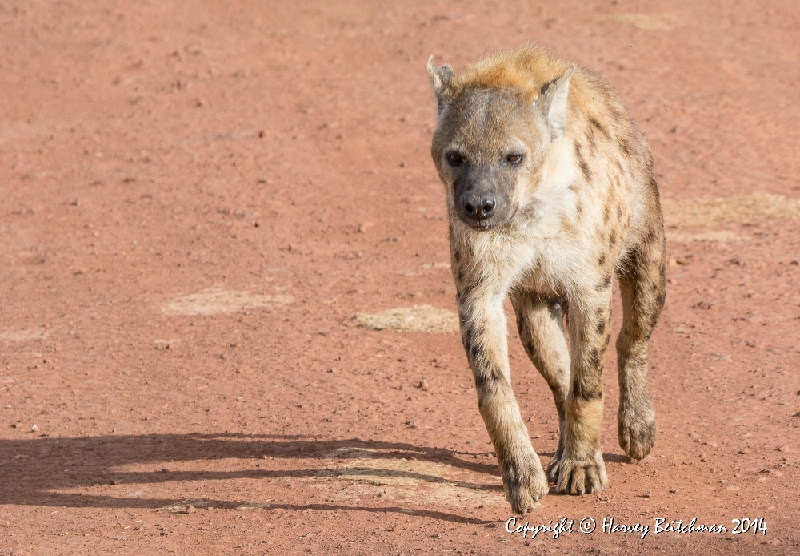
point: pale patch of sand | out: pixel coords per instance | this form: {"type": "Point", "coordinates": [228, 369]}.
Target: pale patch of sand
{"type": "Point", "coordinates": [25, 335]}
{"type": "Point", "coordinates": [213, 301]}
{"type": "Point", "coordinates": [422, 318]}
{"type": "Point", "coordinates": [722, 236]}
{"type": "Point", "coordinates": [645, 22]}
{"type": "Point", "coordinates": [737, 209]}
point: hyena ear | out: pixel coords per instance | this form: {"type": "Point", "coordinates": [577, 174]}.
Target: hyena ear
{"type": "Point", "coordinates": [440, 80]}
{"type": "Point", "coordinates": [554, 103]}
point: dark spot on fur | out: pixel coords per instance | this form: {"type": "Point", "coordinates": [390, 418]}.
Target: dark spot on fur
{"type": "Point", "coordinates": [608, 339]}
{"type": "Point", "coordinates": [594, 358]}
{"type": "Point", "coordinates": [619, 212]}
{"type": "Point", "coordinates": [457, 257]}
{"type": "Point", "coordinates": [653, 287]}
{"type": "Point", "coordinates": [595, 124]}
{"type": "Point", "coordinates": [625, 146]}
{"type": "Point", "coordinates": [660, 298]}
{"type": "Point", "coordinates": [485, 378]}
{"type": "Point", "coordinates": [460, 275]}
{"type": "Point", "coordinates": [585, 169]}
{"type": "Point", "coordinates": [592, 145]}
{"type": "Point", "coordinates": [475, 351]}
{"type": "Point", "coordinates": [582, 163]}
{"type": "Point", "coordinates": [585, 393]}
{"type": "Point", "coordinates": [579, 208]}
{"type": "Point", "coordinates": [654, 186]}
{"type": "Point", "coordinates": [533, 353]}
{"type": "Point", "coordinates": [601, 327]}
{"type": "Point", "coordinates": [602, 260]}
{"type": "Point", "coordinates": [606, 214]}
{"type": "Point", "coordinates": [650, 236]}
{"type": "Point", "coordinates": [605, 283]}
{"type": "Point", "coordinates": [613, 239]}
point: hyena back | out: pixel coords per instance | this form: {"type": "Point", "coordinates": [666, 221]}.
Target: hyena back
{"type": "Point", "coordinates": [550, 193]}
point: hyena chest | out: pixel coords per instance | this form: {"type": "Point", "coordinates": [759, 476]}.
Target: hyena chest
{"type": "Point", "coordinates": [545, 260]}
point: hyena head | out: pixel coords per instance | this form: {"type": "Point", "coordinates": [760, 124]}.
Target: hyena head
{"type": "Point", "coordinates": [490, 141]}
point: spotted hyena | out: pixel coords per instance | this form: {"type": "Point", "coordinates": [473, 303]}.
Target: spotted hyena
{"type": "Point", "coordinates": [550, 194]}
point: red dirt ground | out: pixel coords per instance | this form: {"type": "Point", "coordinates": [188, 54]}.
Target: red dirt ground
{"type": "Point", "coordinates": [154, 150]}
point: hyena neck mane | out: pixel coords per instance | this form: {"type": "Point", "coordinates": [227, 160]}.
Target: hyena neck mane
{"type": "Point", "coordinates": [527, 70]}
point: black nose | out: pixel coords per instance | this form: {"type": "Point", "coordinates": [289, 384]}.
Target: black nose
{"type": "Point", "coordinates": [479, 206]}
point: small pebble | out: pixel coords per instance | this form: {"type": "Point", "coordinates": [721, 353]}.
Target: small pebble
{"type": "Point", "coordinates": [781, 448]}
{"type": "Point", "coordinates": [34, 428]}
{"type": "Point", "coordinates": [673, 491]}
{"type": "Point", "coordinates": [190, 509]}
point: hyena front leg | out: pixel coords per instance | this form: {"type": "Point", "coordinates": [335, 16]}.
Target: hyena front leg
{"type": "Point", "coordinates": [581, 468]}
{"type": "Point", "coordinates": [483, 331]}
{"type": "Point", "coordinates": [643, 288]}
{"type": "Point", "coordinates": [540, 322]}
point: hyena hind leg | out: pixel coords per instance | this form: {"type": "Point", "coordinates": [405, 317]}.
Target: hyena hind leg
{"type": "Point", "coordinates": [541, 329]}
{"type": "Point", "coordinates": [643, 286]}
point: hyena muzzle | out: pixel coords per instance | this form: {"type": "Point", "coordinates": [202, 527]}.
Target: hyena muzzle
{"type": "Point", "coordinates": [550, 193]}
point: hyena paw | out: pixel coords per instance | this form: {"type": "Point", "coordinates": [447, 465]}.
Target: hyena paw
{"type": "Point", "coordinates": [637, 431]}
{"type": "Point", "coordinates": [581, 476]}
{"type": "Point", "coordinates": [525, 483]}
{"type": "Point", "coordinates": [553, 466]}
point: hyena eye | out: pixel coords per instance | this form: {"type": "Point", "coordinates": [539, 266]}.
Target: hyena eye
{"type": "Point", "coordinates": [455, 159]}
{"type": "Point", "coordinates": [514, 158]}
